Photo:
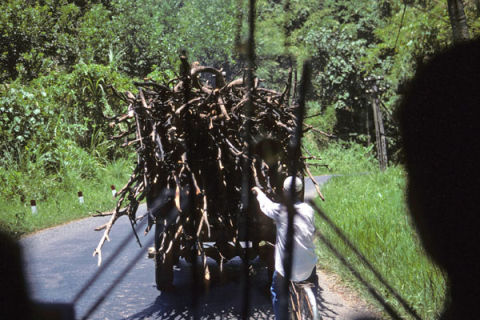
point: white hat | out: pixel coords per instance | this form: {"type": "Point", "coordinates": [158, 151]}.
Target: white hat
{"type": "Point", "coordinates": [288, 183]}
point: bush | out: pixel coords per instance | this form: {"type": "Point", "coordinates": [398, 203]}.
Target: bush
{"type": "Point", "coordinates": [70, 105]}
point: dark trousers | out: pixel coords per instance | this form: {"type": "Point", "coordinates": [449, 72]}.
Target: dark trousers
{"type": "Point", "coordinates": [280, 296]}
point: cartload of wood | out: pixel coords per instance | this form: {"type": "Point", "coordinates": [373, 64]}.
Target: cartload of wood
{"type": "Point", "coordinates": [192, 141]}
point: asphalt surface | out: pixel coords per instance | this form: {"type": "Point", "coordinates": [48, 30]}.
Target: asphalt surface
{"type": "Point", "coordinates": [59, 263]}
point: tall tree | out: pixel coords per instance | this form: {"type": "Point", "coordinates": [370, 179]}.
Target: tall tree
{"type": "Point", "coordinates": [458, 20]}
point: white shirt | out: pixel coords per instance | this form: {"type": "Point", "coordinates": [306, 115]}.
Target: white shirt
{"type": "Point", "coordinates": [304, 257]}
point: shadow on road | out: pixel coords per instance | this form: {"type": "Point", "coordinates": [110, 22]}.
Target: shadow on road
{"type": "Point", "coordinates": [218, 300]}
{"type": "Point", "coordinates": [221, 299]}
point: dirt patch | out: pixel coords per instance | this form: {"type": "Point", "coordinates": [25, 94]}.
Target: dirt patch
{"type": "Point", "coordinates": [339, 301]}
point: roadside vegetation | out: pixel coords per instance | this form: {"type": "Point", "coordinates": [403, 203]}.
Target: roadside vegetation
{"type": "Point", "coordinates": [369, 206]}
{"type": "Point", "coordinates": [56, 194]}
{"type": "Point", "coordinates": [371, 210]}
{"type": "Point", "coordinates": [59, 57]}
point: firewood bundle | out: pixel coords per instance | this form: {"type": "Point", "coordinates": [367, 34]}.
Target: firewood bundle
{"type": "Point", "coordinates": [194, 140]}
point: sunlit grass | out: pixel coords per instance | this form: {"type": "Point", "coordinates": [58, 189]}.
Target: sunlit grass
{"type": "Point", "coordinates": [341, 157]}
{"type": "Point", "coordinates": [371, 211]}
{"type": "Point", "coordinates": [57, 198]}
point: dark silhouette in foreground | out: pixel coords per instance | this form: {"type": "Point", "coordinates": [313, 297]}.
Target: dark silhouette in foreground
{"type": "Point", "coordinates": [440, 123]}
{"type": "Point", "coordinates": [14, 301]}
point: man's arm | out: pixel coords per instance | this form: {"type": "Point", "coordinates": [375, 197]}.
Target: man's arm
{"type": "Point", "coordinates": [267, 206]}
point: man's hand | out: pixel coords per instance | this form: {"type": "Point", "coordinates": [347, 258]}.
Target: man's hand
{"type": "Point", "coordinates": [256, 191]}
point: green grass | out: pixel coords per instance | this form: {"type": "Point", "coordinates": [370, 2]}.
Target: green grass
{"type": "Point", "coordinates": [56, 196]}
{"type": "Point", "coordinates": [341, 157]}
{"type": "Point", "coordinates": [371, 211]}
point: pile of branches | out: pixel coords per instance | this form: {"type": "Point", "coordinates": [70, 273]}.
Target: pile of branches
{"type": "Point", "coordinates": [192, 139]}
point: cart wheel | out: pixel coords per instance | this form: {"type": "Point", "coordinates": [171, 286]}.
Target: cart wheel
{"type": "Point", "coordinates": [270, 270]}
{"type": "Point", "coordinates": [163, 262]}
{"type": "Point", "coordinates": [267, 254]}
{"type": "Point", "coordinates": [164, 271]}
{"type": "Point", "coordinates": [176, 252]}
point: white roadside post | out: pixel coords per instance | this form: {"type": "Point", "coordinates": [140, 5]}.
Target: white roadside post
{"type": "Point", "coordinates": [33, 204]}
{"type": "Point", "coordinates": [80, 197]}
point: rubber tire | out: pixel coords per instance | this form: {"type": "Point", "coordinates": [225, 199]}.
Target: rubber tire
{"type": "Point", "coordinates": [163, 267]}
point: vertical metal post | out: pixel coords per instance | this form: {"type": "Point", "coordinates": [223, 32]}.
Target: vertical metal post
{"type": "Point", "coordinates": [247, 178]}
{"type": "Point", "coordinates": [295, 150]}
{"type": "Point", "coordinates": [189, 133]}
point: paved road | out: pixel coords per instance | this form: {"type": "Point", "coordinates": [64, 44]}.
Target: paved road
{"type": "Point", "coordinates": [58, 263]}
{"type": "Point", "coordinates": [310, 191]}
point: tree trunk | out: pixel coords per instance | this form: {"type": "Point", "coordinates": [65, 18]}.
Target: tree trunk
{"type": "Point", "coordinates": [380, 134]}
{"type": "Point", "coordinates": [458, 20]}
{"type": "Point", "coordinates": [381, 140]}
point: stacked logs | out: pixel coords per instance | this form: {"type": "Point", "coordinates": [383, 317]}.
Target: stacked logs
{"type": "Point", "coordinates": [192, 141]}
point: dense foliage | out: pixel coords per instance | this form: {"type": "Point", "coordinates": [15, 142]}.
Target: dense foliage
{"type": "Point", "coordinates": [349, 41]}
{"type": "Point", "coordinates": [58, 57]}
